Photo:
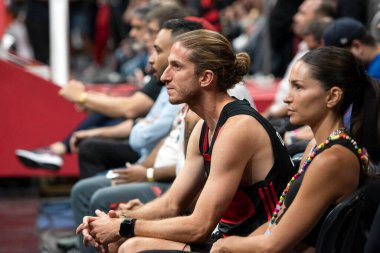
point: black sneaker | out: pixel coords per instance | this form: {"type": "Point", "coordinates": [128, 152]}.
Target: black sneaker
{"type": "Point", "coordinates": [69, 243]}
{"type": "Point", "coordinates": [40, 158]}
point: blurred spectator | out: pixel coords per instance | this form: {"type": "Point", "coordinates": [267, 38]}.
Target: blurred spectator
{"type": "Point", "coordinates": [248, 20]}
{"type": "Point", "coordinates": [15, 37]}
{"type": "Point", "coordinates": [351, 34]}
{"type": "Point", "coordinates": [308, 11]}
{"type": "Point", "coordinates": [209, 10]}
{"type": "Point", "coordinates": [313, 33]}
{"type": "Point", "coordinates": [356, 9]}
{"type": "Point", "coordinates": [37, 25]}
{"type": "Point", "coordinates": [118, 28]}
{"type": "Point", "coordinates": [281, 35]}
{"type": "Point", "coordinates": [132, 53]}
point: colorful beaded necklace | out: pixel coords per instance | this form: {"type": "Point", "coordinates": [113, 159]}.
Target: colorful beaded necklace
{"type": "Point", "coordinates": [338, 134]}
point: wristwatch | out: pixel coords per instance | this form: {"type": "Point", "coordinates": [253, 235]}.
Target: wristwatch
{"type": "Point", "coordinates": [150, 174]}
{"type": "Point", "coordinates": [127, 227]}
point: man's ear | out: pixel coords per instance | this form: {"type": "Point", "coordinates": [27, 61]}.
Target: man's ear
{"type": "Point", "coordinates": [206, 78]}
{"type": "Point", "coordinates": [334, 96]}
{"type": "Point", "coordinates": [357, 47]}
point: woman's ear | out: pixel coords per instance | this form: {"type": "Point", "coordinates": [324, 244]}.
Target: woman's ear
{"type": "Point", "coordinates": [334, 96]}
{"type": "Point", "coordinates": [206, 78]}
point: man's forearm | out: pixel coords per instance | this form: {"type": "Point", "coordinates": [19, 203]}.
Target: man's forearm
{"type": "Point", "coordinates": [186, 229]}
{"type": "Point", "coordinates": [164, 174]}
{"type": "Point", "coordinates": [158, 208]}
{"type": "Point", "coordinates": [107, 105]}
{"type": "Point", "coordinates": [131, 107]}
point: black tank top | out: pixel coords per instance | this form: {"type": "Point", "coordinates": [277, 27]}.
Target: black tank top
{"type": "Point", "coordinates": [311, 238]}
{"type": "Point", "coordinates": [254, 205]}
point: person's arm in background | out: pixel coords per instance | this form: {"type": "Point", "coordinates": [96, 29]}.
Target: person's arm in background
{"type": "Point", "coordinates": [303, 133]}
{"type": "Point", "coordinates": [138, 172]}
{"type": "Point", "coordinates": [133, 106]}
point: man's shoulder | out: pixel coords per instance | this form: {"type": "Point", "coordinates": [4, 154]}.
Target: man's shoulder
{"type": "Point", "coordinates": [152, 88]}
{"type": "Point", "coordinates": [243, 124]}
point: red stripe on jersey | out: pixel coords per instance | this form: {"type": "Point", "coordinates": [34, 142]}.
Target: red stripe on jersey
{"type": "Point", "coordinates": [274, 195]}
{"type": "Point", "coordinates": [267, 210]}
{"type": "Point", "coordinates": [269, 199]}
{"type": "Point", "coordinates": [240, 209]}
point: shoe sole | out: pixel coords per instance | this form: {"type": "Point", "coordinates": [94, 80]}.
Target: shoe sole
{"type": "Point", "coordinates": [31, 160]}
{"type": "Point", "coordinates": [36, 165]}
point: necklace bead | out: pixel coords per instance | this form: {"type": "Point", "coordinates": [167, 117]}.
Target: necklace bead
{"type": "Point", "coordinates": [337, 134]}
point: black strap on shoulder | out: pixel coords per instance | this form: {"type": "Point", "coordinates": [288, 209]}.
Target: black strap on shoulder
{"type": "Point", "coordinates": [347, 143]}
{"type": "Point", "coordinates": [236, 107]}
{"type": "Point", "coordinates": [203, 139]}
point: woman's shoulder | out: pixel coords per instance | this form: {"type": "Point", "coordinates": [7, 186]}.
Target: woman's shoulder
{"type": "Point", "coordinates": [336, 157]}
{"type": "Point", "coordinates": [337, 164]}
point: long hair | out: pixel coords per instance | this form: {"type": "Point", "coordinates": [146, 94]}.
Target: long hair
{"type": "Point", "coordinates": [212, 51]}
{"type": "Point", "coordinates": [333, 66]}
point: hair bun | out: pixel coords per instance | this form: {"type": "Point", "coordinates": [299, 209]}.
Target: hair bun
{"type": "Point", "coordinates": [242, 63]}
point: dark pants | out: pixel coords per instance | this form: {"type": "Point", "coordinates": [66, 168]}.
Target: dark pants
{"type": "Point", "coordinates": [100, 154]}
{"type": "Point", "coordinates": [91, 121]}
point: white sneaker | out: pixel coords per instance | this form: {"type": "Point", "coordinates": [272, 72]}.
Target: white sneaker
{"type": "Point", "coordinates": [40, 158]}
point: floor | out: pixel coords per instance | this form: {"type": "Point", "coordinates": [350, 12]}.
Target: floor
{"type": "Point", "coordinates": [20, 200]}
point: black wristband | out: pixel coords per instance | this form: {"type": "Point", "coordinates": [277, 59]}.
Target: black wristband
{"type": "Point", "coordinates": [127, 227]}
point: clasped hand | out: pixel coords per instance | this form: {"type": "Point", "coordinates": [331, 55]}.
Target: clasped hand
{"type": "Point", "coordinates": [100, 230]}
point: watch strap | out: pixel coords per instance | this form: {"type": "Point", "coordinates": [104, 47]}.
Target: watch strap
{"type": "Point", "coordinates": [127, 227]}
{"type": "Point", "coordinates": [150, 174]}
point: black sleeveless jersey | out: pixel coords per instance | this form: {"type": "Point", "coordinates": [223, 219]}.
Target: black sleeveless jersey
{"type": "Point", "coordinates": [254, 205]}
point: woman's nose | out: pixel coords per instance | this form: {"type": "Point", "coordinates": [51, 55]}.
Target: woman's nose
{"type": "Point", "coordinates": [287, 98]}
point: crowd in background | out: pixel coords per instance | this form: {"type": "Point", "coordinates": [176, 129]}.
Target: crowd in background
{"type": "Point", "coordinates": [100, 41]}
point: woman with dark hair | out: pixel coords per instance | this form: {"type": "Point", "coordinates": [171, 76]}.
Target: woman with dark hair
{"type": "Point", "coordinates": [323, 84]}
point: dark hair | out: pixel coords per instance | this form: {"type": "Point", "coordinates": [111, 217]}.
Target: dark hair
{"type": "Point", "coordinates": [179, 26]}
{"type": "Point", "coordinates": [142, 11]}
{"type": "Point", "coordinates": [326, 9]}
{"type": "Point", "coordinates": [368, 40]}
{"type": "Point", "coordinates": [212, 51]}
{"type": "Point", "coordinates": [333, 66]}
{"type": "Point", "coordinates": [165, 12]}
{"type": "Point", "coordinates": [316, 27]}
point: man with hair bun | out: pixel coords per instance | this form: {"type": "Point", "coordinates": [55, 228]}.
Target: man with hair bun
{"type": "Point", "coordinates": [236, 164]}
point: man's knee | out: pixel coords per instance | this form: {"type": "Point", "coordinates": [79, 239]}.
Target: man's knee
{"type": "Point", "coordinates": [77, 192]}
{"type": "Point", "coordinates": [88, 146]}
{"type": "Point", "coordinates": [99, 200]}
{"type": "Point", "coordinates": [78, 201]}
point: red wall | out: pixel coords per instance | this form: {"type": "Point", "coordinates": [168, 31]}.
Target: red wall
{"type": "Point", "coordinates": [262, 95]}
{"type": "Point", "coordinates": [32, 115]}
